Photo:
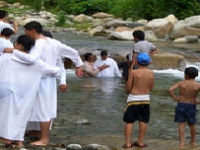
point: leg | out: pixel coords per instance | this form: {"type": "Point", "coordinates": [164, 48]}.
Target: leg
{"type": "Point", "coordinates": [6, 141]}
{"type": "Point", "coordinates": [44, 126]}
{"type": "Point", "coordinates": [127, 134]}
{"type": "Point", "coordinates": [181, 130]}
{"type": "Point", "coordinates": [19, 144]}
{"type": "Point", "coordinates": [142, 131]}
{"type": "Point", "coordinates": [192, 133]}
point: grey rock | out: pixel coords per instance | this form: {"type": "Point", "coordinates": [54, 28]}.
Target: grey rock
{"type": "Point", "coordinates": [83, 122]}
{"type": "Point", "coordinates": [96, 147]}
{"type": "Point", "coordinates": [135, 24]}
{"type": "Point", "coordinates": [74, 147]}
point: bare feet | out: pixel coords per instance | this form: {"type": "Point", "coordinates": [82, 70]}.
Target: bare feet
{"type": "Point", "coordinates": [181, 143]}
{"type": "Point", "coordinates": [39, 143]}
{"type": "Point", "coordinates": [6, 141]}
{"type": "Point", "coordinates": [192, 143]}
{"type": "Point", "coordinates": [19, 144]}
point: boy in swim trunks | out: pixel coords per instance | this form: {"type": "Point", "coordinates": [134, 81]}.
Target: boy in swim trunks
{"type": "Point", "coordinates": [186, 106]}
{"type": "Point", "coordinates": [140, 83]}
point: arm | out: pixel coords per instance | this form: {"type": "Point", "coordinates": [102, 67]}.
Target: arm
{"type": "Point", "coordinates": [153, 52]}
{"type": "Point", "coordinates": [129, 83]}
{"type": "Point", "coordinates": [29, 58]}
{"type": "Point", "coordinates": [46, 69]}
{"type": "Point", "coordinates": [15, 25]}
{"type": "Point", "coordinates": [171, 91]}
{"type": "Point", "coordinates": [116, 69]}
{"type": "Point", "coordinates": [134, 59]}
{"type": "Point", "coordinates": [152, 83]}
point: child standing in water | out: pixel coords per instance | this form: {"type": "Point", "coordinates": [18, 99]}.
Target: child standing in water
{"type": "Point", "coordinates": [186, 106]}
{"type": "Point", "coordinates": [140, 83]}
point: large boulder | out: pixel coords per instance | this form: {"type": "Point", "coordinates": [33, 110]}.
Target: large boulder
{"type": "Point", "coordinates": [98, 22]}
{"type": "Point", "coordinates": [117, 23]}
{"type": "Point", "coordinates": [160, 27]}
{"type": "Point", "coordinates": [187, 39]}
{"type": "Point", "coordinates": [42, 21]}
{"type": "Point", "coordinates": [135, 24]}
{"type": "Point", "coordinates": [189, 26]}
{"type": "Point", "coordinates": [166, 60]}
{"type": "Point", "coordinates": [171, 18]}
{"type": "Point", "coordinates": [3, 4]}
{"type": "Point", "coordinates": [80, 18]}
{"type": "Point", "coordinates": [142, 21]}
{"type": "Point", "coordinates": [99, 31]}
{"type": "Point", "coordinates": [16, 5]}
{"type": "Point", "coordinates": [102, 15]}
{"type": "Point", "coordinates": [125, 35]}
{"type": "Point", "coordinates": [150, 36]}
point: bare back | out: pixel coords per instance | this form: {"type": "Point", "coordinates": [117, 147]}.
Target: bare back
{"type": "Point", "coordinates": [140, 81]}
{"type": "Point", "coordinates": [189, 90]}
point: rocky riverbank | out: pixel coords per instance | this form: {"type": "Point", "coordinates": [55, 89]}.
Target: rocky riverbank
{"type": "Point", "coordinates": [167, 29]}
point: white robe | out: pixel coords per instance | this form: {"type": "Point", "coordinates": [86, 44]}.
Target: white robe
{"type": "Point", "coordinates": [49, 51]}
{"type": "Point", "coordinates": [111, 71]}
{"type": "Point", "coordinates": [19, 83]}
{"type": "Point", "coordinates": [4, 43]}
{"type": "Point", "coordinates": [5, 25]}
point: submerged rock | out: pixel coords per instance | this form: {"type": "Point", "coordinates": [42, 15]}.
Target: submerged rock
{"type": "Point", "coordinates": [96, 147]}
{"type": "Point", "coordinates": [74, 147]}
{"type": "Point", "coordinates": [83, 122]}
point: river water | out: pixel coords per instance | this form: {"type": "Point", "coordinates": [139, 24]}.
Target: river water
{"type": "Point", "coordinates": [101, 102]}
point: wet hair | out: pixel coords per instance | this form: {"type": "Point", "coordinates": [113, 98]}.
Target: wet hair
{"type": "Point", "coordinates": [34, 25]}
{"type": "Point", "coordinates": [26, 42]}
{"type": "Point", "coordinates": [191, 72]}
{"type": "Point", "coordinates": [47, 34]}
{"type": "Point", "coordinates": [7, 32]}
{"type": "Point", "coordinates": [3, 14]}
{"type": "Point", "coordinates": [87, 56]}
{"type": "Point", "coordinates": [104, 53]}
{"type": "Point", "coordinates": [139, 34]}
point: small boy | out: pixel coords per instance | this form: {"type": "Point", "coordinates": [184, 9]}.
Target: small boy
{"type": "Point", "coordinates": [186, 107]}
{"type": "Point", "coordinates": [140, 83]}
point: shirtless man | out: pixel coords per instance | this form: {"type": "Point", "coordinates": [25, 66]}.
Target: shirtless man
{"type": "Point", "coordinates": [140, 83]}
{"type": "Point", "coordinates": [186, 106]}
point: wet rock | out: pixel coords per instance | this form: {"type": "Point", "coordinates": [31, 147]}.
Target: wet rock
{"type": "Point", "coordinates": [74, 147]}
{"type": "Point", "coordinates": [125, 35]}
{"type": "Point", "coordinates": [83, 122]}
{"type": "Point", "coordinates": [102, 15]}
{"type": "Point", "coordinates": [166, 60]}
{"type": "Point", "coordinates": [187, 39]}
{"type": "Point", "coordinates": [96, 147]}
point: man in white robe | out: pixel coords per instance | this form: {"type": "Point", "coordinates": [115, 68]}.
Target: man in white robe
{"type": "Point", "coordinates": [48, 50]}
{"type": "Point", "coordinates": [19, 83]}
{"type": "Point", "coordinates": [3, 24]}
{"type": "Point", "coordinates": [112, 71]}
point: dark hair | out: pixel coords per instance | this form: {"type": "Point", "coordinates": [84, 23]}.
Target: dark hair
{"type": "Point", "coordinates": [34, 25]}
{"type": "Point", "coordinates": [3, 14]}
{"type": "Point", "coordinates": [87, 56]}
{"type": "Point", "coordinates": [104, 53]}
{"type": "Point", "coordinates": [7, 32]}
{"type": "Point", "coordinates": [26, 41]}
{"type": "Point", "coordinates": [191, 72]}
{"type": "Point", "coordinates": [47, 34]}
{"type": "Point", "coordinates": [139, 34]}
{"type": "Point", "coordinates": [127, 56]}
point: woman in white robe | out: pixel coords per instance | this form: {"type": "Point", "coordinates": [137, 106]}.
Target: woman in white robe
{"type": "Point", "coordinates": [19, 83]}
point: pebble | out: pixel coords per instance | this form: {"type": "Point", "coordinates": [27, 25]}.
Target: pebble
{"type": "Point", "coordinates": [74, 146]}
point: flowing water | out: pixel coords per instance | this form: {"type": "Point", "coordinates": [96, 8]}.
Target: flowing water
{"type": "Point", "coordinates": [101, 102]}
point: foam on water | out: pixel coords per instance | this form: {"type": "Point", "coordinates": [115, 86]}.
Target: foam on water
{"type": "Point", "coordinates": [178, 73]}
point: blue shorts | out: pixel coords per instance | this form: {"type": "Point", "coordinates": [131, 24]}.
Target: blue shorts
{"type": "Point", "coordinates": [185, 112]}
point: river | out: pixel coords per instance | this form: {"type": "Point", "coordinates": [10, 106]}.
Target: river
{"type": "Point", "coordinates": [101, 102]}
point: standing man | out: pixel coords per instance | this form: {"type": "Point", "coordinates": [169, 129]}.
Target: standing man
{"type": "Point", "coordinates": [49, 50]}
{"type": "Point", "coordinates": [4, 24]}
{"type": "Point", "coordinates": [141, 46]}
{"type": "Point", "coordinates": [111, 71]}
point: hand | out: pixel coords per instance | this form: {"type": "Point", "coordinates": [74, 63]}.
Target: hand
{"type": "Point", "coordinates": [15, 23]}
{"type": "Point", "coordinates": [103, 67]}
{"type": "Point", "coordinates": [178, 98]}
{"type": "Point", "coordinates": [8, 50]}
{"type": "Point", "coordinates": [79, 71]}
{"type": "Point", "coordinates": [63, 88]}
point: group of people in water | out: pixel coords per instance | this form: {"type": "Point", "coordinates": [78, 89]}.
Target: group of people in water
{"type": "Point", "coordinates": [28, 88]}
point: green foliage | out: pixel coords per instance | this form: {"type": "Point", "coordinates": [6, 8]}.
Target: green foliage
{"type": "Point", "coordinates": [61, 20]}
{"type": "Point", "coordinates": [136, 9]}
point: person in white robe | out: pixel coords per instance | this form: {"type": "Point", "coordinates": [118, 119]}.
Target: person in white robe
{"type": "Point", "coordinates": [112, 71]}
{"type": "Point", "coordinates": [4, 24]}
{"type": "Point", "coordinates": [33, 128]}
{"type": "Point", "coordinates": [48, 50]}
{"type": "Point", "coordinates": [5, 39]}
{"type": "Point", "coordinates": [19, 83]}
